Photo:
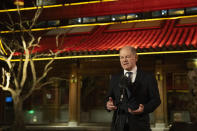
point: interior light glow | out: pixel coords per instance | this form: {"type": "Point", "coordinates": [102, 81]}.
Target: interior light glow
{"type": "Point", "coordinates": [164, 12]}
{"type": "Point", "coordinates": [113, 19]}
{"type": "Point", "coordinates": [31, 111]}
{"type": "Point", "coordinates": [35, 119]}
{"type": "Point", "coordinates": [79, 20]}
{"type": "Point", "coordinates": [8, 99]}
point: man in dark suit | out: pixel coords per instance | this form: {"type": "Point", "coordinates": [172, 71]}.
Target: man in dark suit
{"type": "Point", "coordinates": [141, 98]}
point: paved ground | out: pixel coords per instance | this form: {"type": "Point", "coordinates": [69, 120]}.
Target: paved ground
{"type": "Point", "coordinates": [64, 127]}
{"type": "Point", "coordinates": [70, 129]}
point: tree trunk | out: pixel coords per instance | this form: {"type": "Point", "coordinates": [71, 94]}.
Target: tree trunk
{"type": "Point", "coordinates": [18, 113]}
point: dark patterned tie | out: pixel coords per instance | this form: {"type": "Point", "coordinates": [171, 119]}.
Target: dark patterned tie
{"type": "Point", "coordinates": [129, 75]}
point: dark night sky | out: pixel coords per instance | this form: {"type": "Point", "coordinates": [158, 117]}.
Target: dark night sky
{"type": "Point", "coordinates": [7, 4]}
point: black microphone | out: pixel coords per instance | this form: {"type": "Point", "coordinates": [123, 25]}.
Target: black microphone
{"type": "Point", "coordinates": [127, 93]}
{"type": "Point", "coordinates": [127, 100]}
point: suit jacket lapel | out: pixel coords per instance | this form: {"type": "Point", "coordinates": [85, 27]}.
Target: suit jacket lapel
{"type": "Point", "coordinates": [137, 79]}
{"type": "Point", "coordinates": [138, 76]}
{"type": "Point", "coordinates": [120, 75]}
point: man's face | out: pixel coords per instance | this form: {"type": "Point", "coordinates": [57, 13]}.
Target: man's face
{"type": "Point", "coordinates": [127, 59]}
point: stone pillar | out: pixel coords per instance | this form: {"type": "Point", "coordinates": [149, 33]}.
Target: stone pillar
{"type": "Point", "coordinates": [73, 111]}
{"type": "Point", "coordinates": [160, 112]}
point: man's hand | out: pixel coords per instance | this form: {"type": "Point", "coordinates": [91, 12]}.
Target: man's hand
{"type": "Point", "coordinates": [110, 104]}
{"type": "Point", "coordinates": [138, 111]}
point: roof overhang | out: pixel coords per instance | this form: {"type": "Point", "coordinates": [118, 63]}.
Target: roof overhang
{"type": "Point", "coordinates": [154, 36]}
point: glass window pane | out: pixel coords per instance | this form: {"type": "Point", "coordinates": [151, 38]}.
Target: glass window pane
{"type": "Point", "coordinates": [159, 13]}
{"type": "Point", "coordinates": [132, 16]}
{"type": "Point", "coordinates": [176, 12]}
{"type": "Point", "coordinates": [146, 15]}
{"type": "Point", "coordinates": [164, 12]}
{"type": "Point", "coordinates": [75, 21]}
{"type": "Point", "coordinates": [45, 2]}
{"type": "Point", "coordinates": [156, 14]}
{"type": "Point", "coordinates": [192, 10]}
{"type": "Point", "coordinates": [53, 22]}
{"type": "Point", "coordinates": [89, 19]}
{"type": "Point", "coordinates": [41, 24]}
{"type": "Point", "coordinates": [118, 17]}
{"type": "Point", "coordinates": [43, 102]}
{"type": "Point", "coordinates": [103, 18]}
{"type": "Point", "coordinates": [93, 93]}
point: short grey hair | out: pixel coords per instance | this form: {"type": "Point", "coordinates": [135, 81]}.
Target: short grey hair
{"type": "Point", "coordinates": [132, 49]}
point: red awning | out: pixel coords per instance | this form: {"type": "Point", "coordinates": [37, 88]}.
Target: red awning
{"type": "Point", "coordinates": [161, 36]}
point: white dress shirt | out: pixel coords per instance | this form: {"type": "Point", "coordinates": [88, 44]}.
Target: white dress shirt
{"type": "Point", "coordinates": [134, 73]}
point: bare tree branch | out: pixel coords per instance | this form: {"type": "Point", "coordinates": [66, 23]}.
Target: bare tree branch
{"type": "Point", "coordinates": [20, 18]}
{"type": "Point", "coordinates": [9, 26]}
{"type": "Point", "coordinates": [37, 14]}
{"type": "Point", "coordinates": [8, 48]}
{"type": "Point", "coordinates": [33, 70]}
{"type": "Point", "coordinates": [62, 40]}
{"type": "Point", "coordinates": [23, 42]}
{"type": "Point", "coordinates": [44, 74]}
{"type": "Point", "coordinates": [38, 87]}
{"type": "Point", "coordinates": [26, 61]}
{"type": "Point", "coordinates": [7, 82]}
{"type": "Point", "coordinates": [10, 19]}
{"type": "Point", "coordinates": [8, 61]}
{"type": "Point", "coordinates": [32, 39]}
{"type": "Point", "coordinates": [19, 68]}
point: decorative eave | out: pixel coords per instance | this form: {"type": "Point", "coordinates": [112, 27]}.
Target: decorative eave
{"type": "Point", "coordinates": [159, 36]}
